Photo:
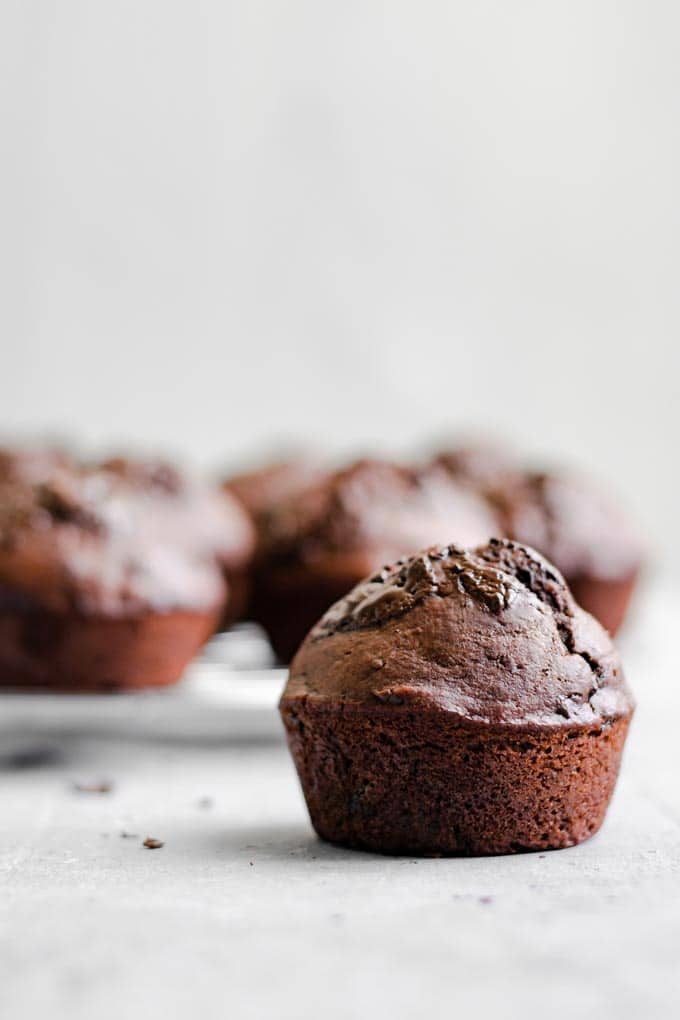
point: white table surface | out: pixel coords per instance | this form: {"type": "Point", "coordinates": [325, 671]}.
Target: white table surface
{"type": "Point", "coordinates": [244, 913]}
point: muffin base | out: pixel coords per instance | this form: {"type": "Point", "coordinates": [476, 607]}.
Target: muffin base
{"type": "Point", "coordinates": [606, 600]}
{"type": "Point", "coordinates": [78, 653]}
{"type": "Point", "coordinates": [398, 781]}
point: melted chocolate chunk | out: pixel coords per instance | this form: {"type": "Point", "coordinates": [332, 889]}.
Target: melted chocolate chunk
{"type": "Point", "coordinates": [442, 571]}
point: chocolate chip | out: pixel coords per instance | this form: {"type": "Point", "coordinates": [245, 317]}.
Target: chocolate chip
{"type": "Point", "coordinates": [153, 844]}
{"type": "Point", "coordinates": [94, 786]}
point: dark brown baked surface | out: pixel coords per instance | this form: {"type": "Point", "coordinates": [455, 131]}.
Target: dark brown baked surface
{"type": "Point", "coordinates": [458, 702]}
{"type": "Point", "coordinates": [487, 465]}
{"type": "Point", "coordinates": [373, 508]}
{"type": "Point", "coordinates": [568, 517]}
{"type": "Point", "coordinates": [257, 492]}
{"type": "Point", "coordinates": [318, 544]}
{"type": "Point", "coordinates": [199, 514]}
{"type": "Point", "coordinates": [111, 575]}
{"type": "Point", "coordinates": [105, 540]}
{"type": "Point", "coordinates": [31, 463]}
{"type": "Point", "coordinates": [70, 651]}
{"type": "Point", "coordinates": [583, 532]}
{"type": "Point", "coordinates": [263, 488]}
{"type": "Point", "coordinates": [574, 524]}
{"type": "Point", "coordinates": [207, 520]}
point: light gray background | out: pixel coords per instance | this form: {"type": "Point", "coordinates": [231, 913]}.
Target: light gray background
{"type": "Point", "coordinates": [354, 223]}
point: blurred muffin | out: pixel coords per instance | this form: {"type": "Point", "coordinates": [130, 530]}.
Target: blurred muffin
{"type": "Point", "coordinates": [566, 517]}
{"type": "Point", "coordinates": [207, 519]}
{"type": "Point", "coordinates": [106, 580]}
{"type": "Point", "coordinates": [31, 463]}
{"type": "Point", "coordinates": [316, 545]}
{"type": "Point", "coordinates": [458, 703]}
{"type": "Point", "coordinates": [258, 492]}
{"type": "Point", "coordinates": [488, 466]}
{"type": "Point", "coordinates": [585, 534]}
{"type": "Point", "coordinates": [262, 488]}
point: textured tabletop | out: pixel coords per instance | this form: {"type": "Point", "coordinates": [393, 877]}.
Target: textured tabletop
{"type": "Point", "coordinates": [243, 913]}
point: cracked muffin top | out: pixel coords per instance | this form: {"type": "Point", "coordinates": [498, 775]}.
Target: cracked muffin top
{"type": "Point", "coordinates": [370, 513]}
{"type": "Point", "coordinates": [491, 635]}
{"type": "Point", "coordinates": [116, 538]}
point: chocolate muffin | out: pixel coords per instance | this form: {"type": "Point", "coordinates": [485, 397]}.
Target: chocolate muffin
{"type": "Point", "coordinates": [103, 583]}
{"type": "Point", "coordinates": [316, 545]}
{"type": "Point", "coordinates": [258, 492]}
{"type": "Point", "coordinates": [209, 520]}
{"type": "Point", "coordinates": [31, 463]}
{"type": "Point", "coordinates": [458, 702]}
{"type": "Point", "coordinates": [566, 517]}
{"type": "Point", "coordinates": [488, 466]}
{"type": "Point", "coordinates": [581, 531]}
{"type": "Point", "coordinates": [262, 488]}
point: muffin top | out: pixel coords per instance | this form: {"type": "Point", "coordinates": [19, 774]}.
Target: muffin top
{"type": "Point", "coordinates": [118, 538]}
{"type": "Point", "coordinates": [492, 636]}
{"type": "Point", "coordinates": [572, 522]}
{"type": "Point", "coordinates": [209, 519]}
{"type": "Point", "coordinates": [370, 513]}
{"type": "Point", "coordinates": [31, 463]}
{"type": "Point", "coordinates": [486, 465]}
{"type": "Point", "coordinates": [262, 488]}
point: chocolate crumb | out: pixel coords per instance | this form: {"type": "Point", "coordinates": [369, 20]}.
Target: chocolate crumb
{"type": "Point", "coordinates": [94, 786]}
{"type": "Point", "coordinates": [129, 835]}
{"type": "Point", "coordinates": [153, 844]}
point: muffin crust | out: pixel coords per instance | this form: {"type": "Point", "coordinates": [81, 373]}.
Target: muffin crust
{"type": "Point", "coordinates": [320, 543]}
{"type": "Point", "coordinates": [103, 584]}
{"type": "Point", "coordinates": [458, 702]}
